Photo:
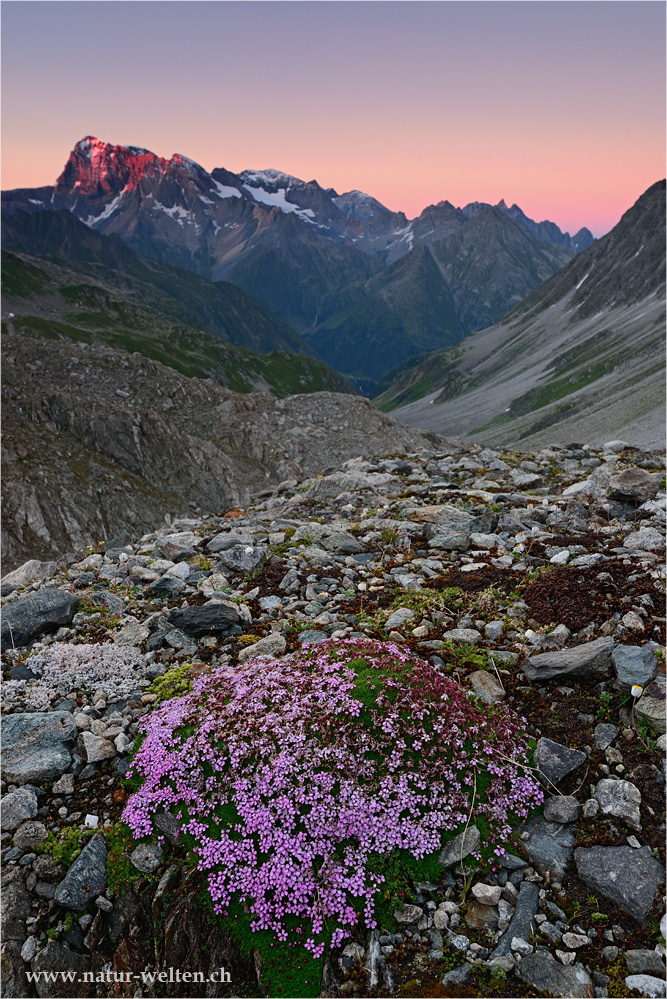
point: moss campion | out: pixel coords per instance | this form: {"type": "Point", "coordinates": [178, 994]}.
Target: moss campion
{"type": "Point", "coordinates": [291, 776]}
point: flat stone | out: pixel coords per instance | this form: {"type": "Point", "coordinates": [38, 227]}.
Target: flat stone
{"type": "Point", "coordinates": [34, 615]}
{"type": "Point", "coordinates": [628, 877]}
{"type": "Point", "coordinates": [451, 852]}
{"type": "Point", "coordinates": [549, 847]}
{"type": "Point", "coordinates": [65, 785]}
{"type": "Point", "coordinates": [590, 659]}
{"type": "Point", "coordinates": [212, 618]}
{"type": "Point", "coordinates": [132, 634]}
{"type": "Point", "coordinates": [604, 733]}
{"type": "Point", "coordinates": [271, 602]}
{"type": "Point", "coordinates": [29, 834]}
{"type": "Point", "coordinates": [525, 480]}
{"type": "Point", "coordinates": [523, 921]}
{"type": "Point", "coordinates": [242, 558]}
{"type": "Point", "coordinates": [510, 862]}
{"type": "Point", "coordinates": [493, 630]}
{"type": "Point", "coordinates": [87, 876]}
{"type": "Point", "coordinates": [634, 664]}
{"type": "Point", "coordinates": [575, 940]}
{"type": "Point", "coordinates": [166, 587]}
{"type": "Point", "coordinates": [521, 946]}
{"type": "Point", "coordinates": [146, 857]}
{"type": "Point", "coordinates": [549, 976]}
{"type": "Point", "coordinates": [223, 542]}
{"type": "Point", "coordinates": [563, 809]}
{"type": "Point", "coordinates": [487, 894]}
{"type": "Point", "coordinates": [642, 962]}
{"type": "Point", "coordinates": [467, 636]}
{"type": "Point", "coordinates": [343, 543]}
{"type": "Point", "coordinates": [481, 917]}
{"type": "Point", "coordinates": [651, 705]}
{"type": "Point", "coordinates": [398, 618]}
{"type": "Point", "coordinates": [451, 541]}
{"type": "Point", "coordinates": [555, 761]}
{"type": "Point", "coordinates": [647, 985]}
{"type": "Point", "coordinates": [16, 904]}
{"type": "Point", "coordinates": [648, 540]}
{"type": "Point", "coordinates": [96, 748]}
{"type": "Point", "coordinates": [272, 645]}
{"type": "Point", "coordinates": [32, 571]}
{"type": "Point", "coordinates": [17, 807]}
{"type": "Point", "coordinates": [457, 976]}
{"type": "Point", "coordinates": [486, 686]}
{"type": "Point", "coordinates": [620, 799]}
{"type": "Point", "coordinates": [312, 637]}
{"type": "Point", "coordinates": [408, 915]}
{"type": "Point", "coordinates": [36, 746]}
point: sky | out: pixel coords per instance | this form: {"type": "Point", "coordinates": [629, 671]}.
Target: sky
{"type": "Point", "coordinates": [557, 106]}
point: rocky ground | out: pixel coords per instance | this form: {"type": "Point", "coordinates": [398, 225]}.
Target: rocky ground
{"type": "Point", "coordinates": [535, 579]}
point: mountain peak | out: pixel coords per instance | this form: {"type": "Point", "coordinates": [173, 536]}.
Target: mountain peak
{"type": "Point", "coordinates": [98, 168]}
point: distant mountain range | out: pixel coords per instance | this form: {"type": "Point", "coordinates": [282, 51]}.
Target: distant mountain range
{"type": "Point", "coordinates": [367, 287]}
{"type": "Point", "coordinates": [581, 358]}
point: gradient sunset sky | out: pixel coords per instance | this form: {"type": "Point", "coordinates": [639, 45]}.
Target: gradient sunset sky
{"type": "Point", "coordinates": [557, 106]}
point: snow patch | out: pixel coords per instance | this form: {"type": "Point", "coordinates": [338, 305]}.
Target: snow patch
{"type": "Point", "coordinates": [93, 220]}
{"type": "Point", "coordinates": [205, 201]}
{"type": "Point", "coordinates": [35, 202]}
{"type": "Point", "coordinates": [177, 213]}
{"type": "Point", "coordinates": [582, 281]}
{"type": "Point", "coordinates": [225, 192]}
{"type": "Point", "coordinates": [277, 199]}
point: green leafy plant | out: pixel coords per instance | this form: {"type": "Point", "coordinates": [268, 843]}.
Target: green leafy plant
{"type": "Point", "coordinates": [66, 846]}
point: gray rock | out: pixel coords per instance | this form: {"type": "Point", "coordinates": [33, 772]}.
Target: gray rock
{"type": "Point", "coordinates": [467, 636]}
{"type": "Point", "coordinates": [563, 809]}
{"type": "Point", "coordinates": [210, 619]}
{"type": "Point", "coordinates": [605, 734]}
{"type": "Point", "coordinates": [109, 600]}
{"type": "Point", "coordinates": [95, 748]}
{"type": "Point", "coordinates": [15, 905]}
{"type": "Point", "coordinates": [549, 976]}
{"type": "Point", "coordinates": [651, 705]}
{"type": "Point", "coordinates": [242, 558]}
{"type": "Point", "coordinates": [86, 878]}
{"type": "Point", "coordinates": [123, 913]}
{"type": "Point", "coordinates": [458, 975]}
{"type": "Point", "coordinates": [634, 485]}
{"type": "Point", "coordinates": [408, 914]}
{"type": "Point", "coordinates": [342, 543]}
{"type": "Point", "coordinates": [648, 540]}
{"type": "Point", "coordinates": [523, 921]}
{"type": "Point", "coordinates": [550, 846]}
{"type": "Point", "coordinates": [646, 985]}
{"type": "Point", "coordinates": [168, 825]}
{"type": "Point", "coordinates": [272, 645]}
{"type": "Point", "coordinates": [555, 761]}
{"type": "Point", "coordinates": [35, 746]}
{"type": "Point", "coordinates": [628, 877]}
{"type": "Point", "coordinates": [177, 639]}
{"type": "Point", "coordinates": [32, 571]}
{"type": "Point", "coordinates": [56, 959]}
{"type": "Point", "coordinates": [271, 602]}
{"type": "Point", "coordinates": [17, 807]}
{"type": "Point", "coordinates": [451, 541]}
{"type": "Point", "coordinates": [166, 587]}
{"type": "Point", "coordinates": [493, 630]}
{"type": "Point", "coordinates": [29, 949]}
{"type": "Point", "coordinates": [621, 800]}
{"type": "Point", "coordinates": [451, 852]}
{"type": "Point", "coordinates": [312, 637]}
{"type": "Point", "coordinates": [146, 857]}
{"type": "Point", "coordinates": [590, 659]}
{"type": "Point", "coordinates": [398, 618]}
{"type": "Point", "coordinates": [458, 941]}
{"type": "Point", "coordinates": [29, 834]}
{"type": "Point", "coordinates": [510, 862]}
{"type": "Point", "coordinates": [35, 614]}
{"type": "Point", "coordinates": [132, 634]}
{"type": "Point", "coordinates": [634, 664]}
{"type": "Point", "coordinates": [65, 785]}
{"type": "Point", "coordinates": [486, 686]}
{"type": "Point", "coordinates": [223, 542]}
{"type": "Point", "coordinates": [642, 962]}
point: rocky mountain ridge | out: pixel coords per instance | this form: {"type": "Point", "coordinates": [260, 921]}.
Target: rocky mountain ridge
{"type": "Point", "coordinates": [534, 580]}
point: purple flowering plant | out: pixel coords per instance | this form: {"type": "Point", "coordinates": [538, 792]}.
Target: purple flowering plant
{"type": "Point", "coordinates": [292, 777]}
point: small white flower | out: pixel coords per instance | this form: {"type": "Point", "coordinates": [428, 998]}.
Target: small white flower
{"type": "Point", "coordinates": [636, 690]}
{"type": "Point", "coordinates": [249, 550]}
{"type": "Point", "coordinates": [362, 586]}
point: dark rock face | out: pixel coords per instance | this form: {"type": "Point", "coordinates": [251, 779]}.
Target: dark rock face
{"type": "Point", "coordinates": [634, 664]}
{"type": "Point", "coordinates": [36, 746]}
{"type": "Point", "coordinates": [628, 877]}
{"type": "Point", "coordinates": [86, 878]}
{"type": "Point", "coordinates": [43, 611]}
{"type": "Point", "coordinates": [550, 847]}
{"type": "Point", "coordinates": [555, 761]}
{"type": "Point", "coordinates": [57, 958]}
{"type": "Point", "coordinates": [210, 619]}
{"type": "Point", "coordinates": [15, 910]}
{"type": "Point", "coordinates": [591, 659]}
{"type": "Point", "coordinates": [549, 976]}
{"type": "Point", "coordinates": [522, 923]}
{"type": "Point", "coordinates": [167, 586]}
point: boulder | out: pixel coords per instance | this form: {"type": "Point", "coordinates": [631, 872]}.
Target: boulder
{"type": "Point", "coordinates": [166, 587]}
{"type": "Point", "coordinates": [634, 664]}
{"type": "Point", "coordinates": [651, 705]}
{"type": "Point", "coordinates": [644, 962]}
{"type": "Point", "coordinates": [620, 799]}
{"type": "Point", "coordinates": [241, 558]}
{"type": "Point", "coordinates": [548, 976]}
{"type": "Point", "coordinates": [482, 917]}
{"type": "Point", "coordinates": [647, 985]}
{"type": "Point", "coordinates": [87, 876]}
{"type": "Point", "coordinates": [343, 543]}
{"type": "Point", "coordinates": [591, 659]}
{"type": "Point", "coordinates": [223, 542]}
{"type": "Point", "coordinates": [563, 808]}
{"type": "Point", "coordinates": [15, 905]}
{"type": "Point", "coordinates": [452, 852]}
{"type": "Point", "coordinates": [17, 807]}
{"type": "Point", "coordinates": [35, 614]}
{"type": "Point", "coordinates": [555, 761]}
{"type": "Point", "coordinates": [30, 834]}
{"type": "Point", "coordinates": [212, 618]}
{"type": "Point", "coordinates": [634, 485]}
{"type": "Point", "coordinates": [272, 645]}
{"type": "Point", "coordinates": [463, 636]}
{"type": "Point", "coordinates": [32, 571]}
{"type": "Point", "coordinates": [36, 746]}
{"type": "Point", "coordinates": [312, 637]}
{"type": "Point", "coordinates": [648, 540]}
{"type": "Point", "coordinates": [450, 541]}
{"type": "Point", "coordinates": [627, 876]}
{"type": "Point", "coordinates": [549, 846]}
{"type": "Point", "coordinates": [56, 960]}
{"type": "Point", "coordinates": [486, 686]}
{"type": "Point", "coordinates": [398, 618]}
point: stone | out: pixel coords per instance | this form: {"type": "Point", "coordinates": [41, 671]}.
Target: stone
{"type": "Point", "coordinates": [563, 809]}
{"type": "Point", "coordinates": [651, 705]}
{"type": "Point", "coordinates": [34, 615]}
{"type": "Point", "coordinates": [212, 618]}
{"type": "Point", "coordinates": [467, 636]}
{"type": "Point", "coordinates": [29, 949]}
{"type": "Point", "coordinates": [32, 571]}
{"type": "Point", "coordinates": [609, 954]}
{"type": "Point", "coordinates": [223, 542]}
{"type": "Point", "coordinates": [36, 746]}
{"type": "Point", "coordinates": [146, 857]}
{"type": "Point", "coordinates": [521, 946]}
{"type": "Point", "coordinates": [647, 962]}
{"type": "Point", "coordinates": [646, 985]}
{"type": "Point", "coordinates": [458, 941]}
{"type": "Point", "coordinates": [95, 748]}
{"type": "Point", "coordinates": [166, 587]}
{"type": "Point", "coordinates": [242, 558]}
{"type": "Point", "coordinates": [593, 659]}
{"type": "Point", "coordinates": [17, 807]}
{"type": "Point", "coordinates": [272, 602]}
{"type": "Point", "coordinates": [450, 541]}
{"type": "Point", "coordinates": [457, 976]}
{"type": "Point", "coordinates": [487, 894]}
{"type": "Point", "coordinates": [493, 630]}
{"type": "Point", "coordinates": [56, 960]}
{"type": "Point", "coordinates": [574, 940]}
{"type": "Point", "coordinates": [342, 543]}
{"type": "Point", "coordinates": [545, 974]}
{"type": "Point", "coordinates": [15, 905]}
{"type": "Point", "coordinates": [408, 915]}
{"type": "Point", "coordinates": [555, 761]}
{"type": "Point", "coordinates": [486, 686]}
{"type": "Point", "coordinates": [482, 917]}
{"type": "Point", "coordinates": [440, 919]}
{"type": "Point", "coordinates": [178, 546]}
{"type": "Point", "coordinates": [633, 621]}
{"type": "Point", "coordinates": [29, 834]}
{"type": "Point", "coordinates": [132, 634]}
{"type": "Point", "coordinates": [620, 799]}
{"type": "Point", "coordinates": [87, 876]}
{"type": "Point", "coordinates": [451, 853]}
{"type": "Point", "coordinates": [549, 846]}
{"type": "Point", "coordinates": [525, 480]}
{"type": "Point", "coordinates": [272, 645]}
{"type": "Point", "coordinates": [591, 808]}
{"type": "Point", "coordinates": [523, 921]}
{"type": "Point", "coordinates": [648, 540]}
{"type": "Point", "coordinates": [628, 877]}
{"type": "Point", "coordinates": [398, 618]}
{"type": "Point", "coordinates": [312, 637]}
{"type": "Point", "coordinates": [109, 600]}
{"type": "Point", "coordinates": [604, 733]}
{"type": "Point", "coordinates": [65, 785]}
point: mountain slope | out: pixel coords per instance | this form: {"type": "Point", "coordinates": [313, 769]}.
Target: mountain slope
{"type": "Point", "coordinates": [581, 357]}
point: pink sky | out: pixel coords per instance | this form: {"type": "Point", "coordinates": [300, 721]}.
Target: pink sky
{"type": "Point", "coordinates": [558, 107]}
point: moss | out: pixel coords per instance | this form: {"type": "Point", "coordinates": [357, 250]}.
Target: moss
{"type": "Point", "coordinates": [121, 873]}
{"type": "Point", "coordinates": [66, 846]}
{"type": "Point", "coordinates": [174, 683]}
